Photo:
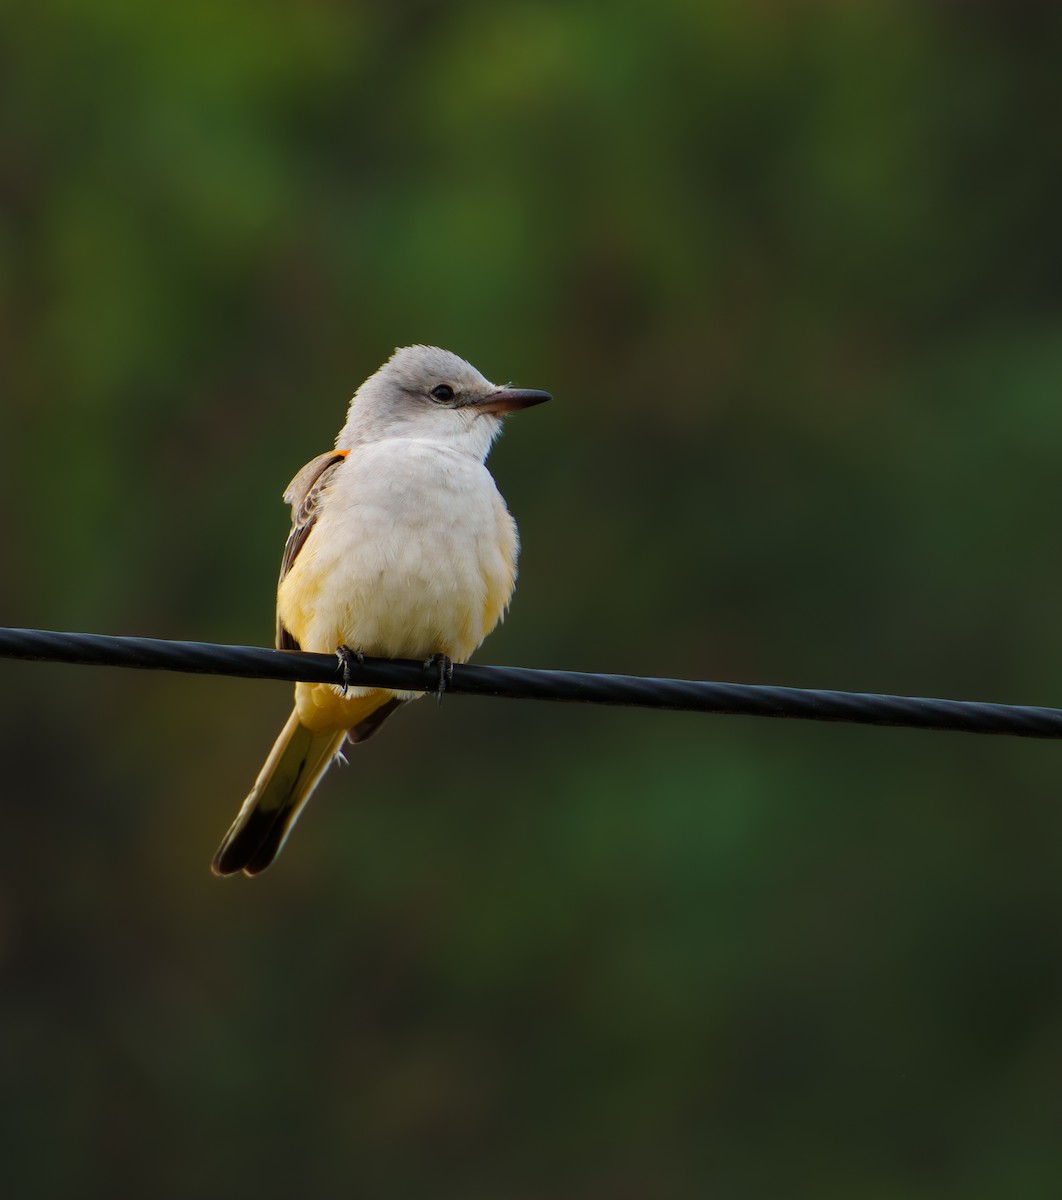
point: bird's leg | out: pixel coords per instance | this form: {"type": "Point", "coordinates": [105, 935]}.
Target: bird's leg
{"type": "Point", "coordinates": [441, 669]}
{"type": "Point", "coordinates": [347, 656]}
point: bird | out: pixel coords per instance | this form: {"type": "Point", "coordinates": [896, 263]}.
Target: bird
{"type": "Point", "coordinates": [401, 546]}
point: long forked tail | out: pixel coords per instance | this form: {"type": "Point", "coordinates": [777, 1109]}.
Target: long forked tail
{"type": "Point", "coordinates": [295, 765]}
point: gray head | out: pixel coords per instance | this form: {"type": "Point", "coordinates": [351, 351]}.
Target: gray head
{"type": "Point", "coordinates": [425, 392]}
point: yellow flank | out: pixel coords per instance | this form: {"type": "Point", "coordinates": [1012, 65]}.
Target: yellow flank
{"type": "Point", "coordinates": [298, 596]}
{"type": "Point", "coordinates": [499, 576]}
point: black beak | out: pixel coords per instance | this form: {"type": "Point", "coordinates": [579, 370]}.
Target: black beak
{"type": "Point", "coordinates": [507, 400]}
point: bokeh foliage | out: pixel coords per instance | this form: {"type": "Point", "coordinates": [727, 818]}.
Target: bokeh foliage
{"type": "Point", "coordinates": [793, 274]}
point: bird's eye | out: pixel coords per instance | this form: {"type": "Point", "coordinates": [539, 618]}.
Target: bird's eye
{"type": "Point", "coordinates": [442, 392]}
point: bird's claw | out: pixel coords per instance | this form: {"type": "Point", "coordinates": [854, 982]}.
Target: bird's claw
{"type": "Point", "coordinates": [346, 657]}
{"type": "Point", "coordinates": [441, 671]}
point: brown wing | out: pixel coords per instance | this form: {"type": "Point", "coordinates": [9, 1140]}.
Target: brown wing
{"type": "Point", "coordinates": [304, 495]}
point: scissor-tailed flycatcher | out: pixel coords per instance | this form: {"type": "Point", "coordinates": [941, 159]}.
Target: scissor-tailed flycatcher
{"type": "Point", "coordinates": [401, 547]}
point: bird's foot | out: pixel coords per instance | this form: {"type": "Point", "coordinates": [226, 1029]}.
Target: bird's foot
{"type": "Point", "coordinates": [440, 670]}
{"type": "Point", "coordinates": [346, 657]}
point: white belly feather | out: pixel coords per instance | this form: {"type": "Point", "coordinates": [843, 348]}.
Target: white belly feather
{"type": "Point", "coordinates": [413, 553]}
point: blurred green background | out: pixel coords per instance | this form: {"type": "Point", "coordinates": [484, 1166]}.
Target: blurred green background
{"type": "Point", "coordinates": [794, 275]}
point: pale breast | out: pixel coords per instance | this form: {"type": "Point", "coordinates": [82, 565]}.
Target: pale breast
{"type": "Point", "coordinates": [414, 553]}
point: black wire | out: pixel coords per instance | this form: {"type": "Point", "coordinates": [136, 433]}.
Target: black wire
{"type": "Point", "coordinates": [521, 683]}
